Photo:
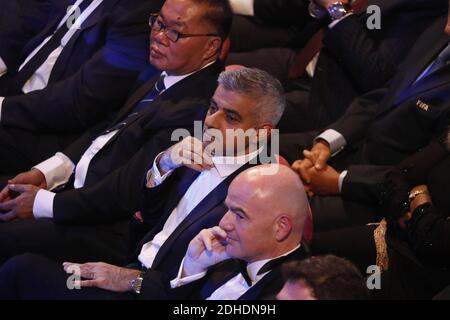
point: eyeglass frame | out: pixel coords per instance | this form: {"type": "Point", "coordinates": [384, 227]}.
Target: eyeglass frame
{"type": "Point", "coordinates": [153, 18]}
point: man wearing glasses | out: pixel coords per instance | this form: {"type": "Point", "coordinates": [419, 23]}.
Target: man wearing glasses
{"type": "Point", "coordinates": [186, 40]}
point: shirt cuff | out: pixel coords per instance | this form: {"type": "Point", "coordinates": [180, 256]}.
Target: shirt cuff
{"type": "Point", "coordinates": [335, 22]}
{"type": "Point", "coordinates": [1, 104]}
{"type": "Point", "coordinates": [243, 7]}
{"type": "Point", "coordinates": [3, 67]}
{"type": "Point", "coordinates": [57, 170]}
{"type": "Point", "coordinates": [341, 179]}
{"type": "Point", "coordinates": [43, 204]}
{"type": "Point", "coordinates": [335, 140]}
{"type": "Point", "coordinates": [154, 177]}
{"type": "Point", "coordinates": [179, 281]}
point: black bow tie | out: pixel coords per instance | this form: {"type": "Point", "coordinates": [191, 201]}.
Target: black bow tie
{"type": "Point", "coordinates": [269, 265]}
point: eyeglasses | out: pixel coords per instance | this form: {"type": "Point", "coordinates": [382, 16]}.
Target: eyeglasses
{"type": "Point", "coordinates": [171, 34]}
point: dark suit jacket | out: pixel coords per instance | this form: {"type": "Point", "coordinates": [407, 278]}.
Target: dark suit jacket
{"type": "Point", "coordinates": [135, 145]}
{"type": "Point", "coordinates": [410, 116]}
{"type": "Point", "coordinates": [382, 134]}
{"type": "Point", "coordinates": [20, 21]}
{"type": "Point", "coordinates": [158, 204]}
{"type": "Point", "coordinates": [355, 60]}
{"type": "Point", "coordinates": [419, 259]}
{"type": "Point", "coordinates": [92, 76]}
{"type": "Point", "coordinates": [218, 275]}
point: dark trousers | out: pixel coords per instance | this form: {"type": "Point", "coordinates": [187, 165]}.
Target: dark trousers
{"type": "Point", "coordinates": [31, 276]}
{"type": "Point", "coordinates": [21, 149]}
{"type": "Point", "coordinates": [83, 243]}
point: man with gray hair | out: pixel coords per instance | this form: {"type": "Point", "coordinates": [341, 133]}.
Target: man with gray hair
{"type": "Point", "coordinates": [184, 192]}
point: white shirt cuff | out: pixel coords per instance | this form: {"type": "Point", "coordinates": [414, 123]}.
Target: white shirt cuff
{"type": "Point", "coordinates": [154, 177]}
{"type": "Point", "coordinates": [335, 139]}
{"type": "Point", "coordinates": [1, 104]}
{"type": "Point", "coordinates": [43, 204]}
{"type": "Point", "coordinates": [335, 22]}
{"type": "Point", "coordinates": [341, 179]}
{"type": "Point", "coordinates": [243, 7]}
{"type": "Point", "coordinates": [3, 67]}
{"type": "Point", "coordinates": [179, 281]}
{"type": "Point", "coordinates": [57, 170]}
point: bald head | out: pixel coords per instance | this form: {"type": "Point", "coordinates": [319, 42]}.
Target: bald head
{"type": "Point", "coordinates": [278, 188]}
{"type": "Point", "coordinates": [271, 205]}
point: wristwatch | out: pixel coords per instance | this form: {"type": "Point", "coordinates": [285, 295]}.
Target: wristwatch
{"type": "Point", "coordinates": [338, 10]}
{"type": "Point", "coordinates": [136, 284]}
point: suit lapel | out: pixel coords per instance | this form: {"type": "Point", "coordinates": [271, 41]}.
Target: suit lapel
{"type": "Point", "coordinates": [426, 50]}
{"type": "Point", "coordinates": [438, 78]}
{"type": "Point", "coordinates": [187, 178]}
{"type": "Point", "coordinates": [135, 98]}
{"type": "Point", "coordinates": [273, 279]}
{"type": "Point", "coordinates": [213, 199]}
{"type": "Point", "coordinates": [99, 12]}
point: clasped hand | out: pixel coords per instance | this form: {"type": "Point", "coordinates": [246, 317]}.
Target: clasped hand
{"type": "Point", "coordinates": [17, 198]}
{"type": "Point", "coordinates": [318, 177]}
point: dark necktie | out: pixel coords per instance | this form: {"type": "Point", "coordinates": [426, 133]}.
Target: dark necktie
{"type": "Point", "coordinates": [441, 61]}
{"type": "Point", "coordinates": [39, 58]}
{"type": "Point", "coordinates": [141, 105]}
{"type": "Point", "coordinates": [151, 95]}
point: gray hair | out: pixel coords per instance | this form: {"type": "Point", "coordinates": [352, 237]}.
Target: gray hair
{"type": "Point", "coordinates": [260, 86]}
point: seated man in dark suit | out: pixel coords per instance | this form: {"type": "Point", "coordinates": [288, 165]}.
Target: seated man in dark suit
{"type": "Point", "coordinates": [261, 231]}
{"type": "Point", "coordinates": [323, 278]}
{"type": "Point", "coordinates": [179, 200]}
{"type": "Point", "coordinates": [370, 136]}
{"type": "Point", "coordinates": [353, 58]}
{"type": "Point", "coordinates": [76, 72]}
{"type": "Point", "coordinates": [143, 128]}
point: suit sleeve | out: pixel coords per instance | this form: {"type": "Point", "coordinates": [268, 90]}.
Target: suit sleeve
{"type": "Point", "coordinates": [282, 12]}
{"type": "Point", "coordinates": [117, 196]}
{"type": "Point", "coordinates": [429, 235]}
{"type": "Point", "coordinates": [356, 120]}
{"type": "Point", "coordinates": [21, 21]}
{"type": "Point", "coordinates": [371, 57]}
{"type": "Point", "coordinates": [97, 89]}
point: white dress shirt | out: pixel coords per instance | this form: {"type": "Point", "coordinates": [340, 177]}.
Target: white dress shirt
{"type": "Point", "coordinates": [41, 76]}
{"type": "Point", "coordinates": [234, 288]}
{"type": "Point", "coordinates": [206, 182]}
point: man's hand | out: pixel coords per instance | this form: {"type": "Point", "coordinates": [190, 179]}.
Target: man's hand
{"type": "Point", "coordinates": [188, 152]}
{"type": "Point", "coordinates": [317, 157]}
{"type": "Point", "coordinates": [326, 3]}
{"type": "Point", "coordinates": [323, 182]}
{"type": "Point", "coordinates": [103, 275]}
{"type": "Point", "coordinates": [33, 177]}
{"type": "Point", "coordinates": [21, 207]}
{"type": "Point", "coordinates": [206, 249]}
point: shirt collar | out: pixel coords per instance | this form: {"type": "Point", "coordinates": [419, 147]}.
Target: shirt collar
{"type": "Point", "coordinates": [225, 166]}
{"type": "Point", "coordinates": [171, 80]}
{"type": "Point", "coordinates": [254, 267]}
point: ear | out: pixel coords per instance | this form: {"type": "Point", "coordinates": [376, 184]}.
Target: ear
{"type": "Point", "coordinates": [264, 131]}
{"type": "Point", "coordinates": [283, 227]}
{"type": "Point", "coordinates": [213, 47]}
